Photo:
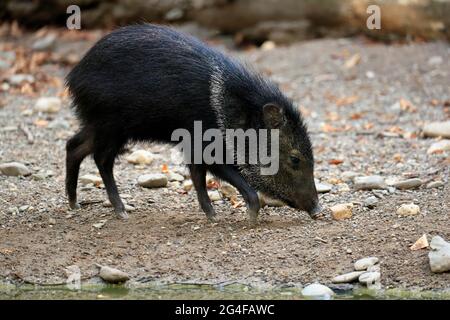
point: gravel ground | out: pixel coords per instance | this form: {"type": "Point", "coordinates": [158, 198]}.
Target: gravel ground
{"type": "Point", "coordinates": [365, 104]}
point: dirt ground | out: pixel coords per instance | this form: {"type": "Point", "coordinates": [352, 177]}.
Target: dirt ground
{"type": "Point", "coordinates": [348, 90]}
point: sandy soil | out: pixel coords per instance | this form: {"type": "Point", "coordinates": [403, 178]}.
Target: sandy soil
{"type": "Point", "coordinates": [352, 116]}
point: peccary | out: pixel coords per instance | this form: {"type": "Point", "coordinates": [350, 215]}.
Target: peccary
{"type": "Point", "coordinates": [141, 82]}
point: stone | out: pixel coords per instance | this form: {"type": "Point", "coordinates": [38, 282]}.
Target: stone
{"type": "Point", "coordinates": [44, 43]}
{"type": "Point", "coordinates": [174, 14]}
{"type": "Point", "coordinates": [14, 169]}
{"type": "Point", "coordinates": [440, 255]}
{"type": "Point", "coordinates": [437, 129]}
{"type": "Point", "coordinates": [173, 176]}
{"type": "Point", "coordinates": [342, 211]}
{"type": "Point", "coordinates": [347, 277]}
{"type": "Point", "coordinates": [435, 184]}
{"type": "Point", "coordinates": [371, 202]}
{"type": "Point", "coordinates": [99, 224]}
{"type": "Point", "coordinates": [140, 157]}
{"type": "Point", "coordinates": [48, 104]}
{"type": "Point", "coordinates": [374, 268]}
{"type": "Point", "coordinates": [323, 187]}
{"type": "Point", "coordinates": [364, 263]}
{"type": "Point", "coordinates": [187, 185]}
{"type": "Point", "coordinates": [214, 195]}
{"type": "Point", "coordinates": [369, 183]}
{"type": "Point", "coordinates": [421, 243]}
{"type": "Point", "coordinates": [112, 275]}
{"type": "Point", "coordinates": [268, 45]}
{"type": "Point", "coordinates": [369, 278]}
{"type": "Point", "coordinates": [349, 175]}
{"type": "Point", "coordinates": [318, 291]}
{"type": "Point", "coordinates": [408, 209]}
{"type": "Point", "coordinates": [19, 78]}
{"type": "Point", "coordinates": [408, 184]}
{"type": "Point", "coordinates": [90, 178]}
{"type": "Point", "coordinates": [439, 147]}
{"type": "Point", "coordinates": [153, 180]}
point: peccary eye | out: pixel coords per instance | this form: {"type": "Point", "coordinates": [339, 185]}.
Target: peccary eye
{"type": "Point", "coordinates": [295, 160]}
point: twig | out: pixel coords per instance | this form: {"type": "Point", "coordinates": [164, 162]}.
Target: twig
{"type": "Point", "coordinates": [27, 133]}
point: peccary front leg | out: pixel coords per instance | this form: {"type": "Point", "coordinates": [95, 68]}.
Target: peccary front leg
{"type": "Point", "coordinates": [198, 176]}
{"type": "Point", "coordinates": [232, 175]}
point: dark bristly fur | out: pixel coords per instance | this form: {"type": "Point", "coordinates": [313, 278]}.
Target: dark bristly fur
{"type": "Point", "coordinates": [142, 82]}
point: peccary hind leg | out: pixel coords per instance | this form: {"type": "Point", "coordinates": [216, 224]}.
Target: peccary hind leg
{"type": "Point", "coordinates": [78, 147]}
{"type": "Point", "coordinates": [198, 176]}
{"type": "Point", "coordinates": [104, 159]}
{"type": "Point", "coordinates": [231, 175]}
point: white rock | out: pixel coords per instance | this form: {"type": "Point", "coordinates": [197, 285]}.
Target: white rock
{"type": "Point", "coordinates": [348, 277]}
{"type": "Point", "coordinates": [349, 175]}
{"type": "Point", "coordinates": [435, 184]}
{"type": "Point", "coordinates": [153, 180]}
{"type": "Point", "coordinates": [173, 176]}
{"type": "Point", "coordinates": [371, 202]}
{"type": "Point", "coordinates": [99, 224]}
{"type": "Point", "coordinates": [369, 278]}
{"type": "Point", "coordinates": [440, 146]}
{"type": "Point", "coordinates": [48, 104]}
{"type": "Point", "coordinates": [268, 45]}
{"type": "Point", "coordinates": [323, 187]}
{"type": "Point", "coordinates": [90, 178]}
{"type": "Point", "coordinates": [408, 209]}
{"type": "Point", "coordinates": [408, 184]}
{"type": "Point", "coordinates": [44, 43]}
{"type": "Point", "coordinates": [317, 290]}
{"type": "Point", "coordinates": [113, 275]}
{"type": "Point", "coordinates": [369, 183]}
{"type": "Point", "coordinates": [187, 185]}
{"type": "Point", "coordinates": [437, 129]}
{"type": "Point", "coordinates": [214, 195]}
{"type": "Point", "coordinates": [435, 60]}
{"type": "Point", "coordinates": [440, 255]}
{"type": "Point", "coordinates": [375, 268]}
{"type": "Point", "coordinates": [364, 263]}
{"type": "Point", "coordinates": [140, 157]}
{"type": "Point", "coordinates": [14, 169]}
{"type": "Point", "coordinates": [17, 79]}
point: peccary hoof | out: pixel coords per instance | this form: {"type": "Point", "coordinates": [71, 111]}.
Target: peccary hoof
{"type": "Point", "coordinates": [122, 215]}
{"type": "Point", "coordinates": [74, 205]}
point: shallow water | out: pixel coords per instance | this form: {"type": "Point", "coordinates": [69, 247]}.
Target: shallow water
{"type": "Point", "coordinates": [179, 291]}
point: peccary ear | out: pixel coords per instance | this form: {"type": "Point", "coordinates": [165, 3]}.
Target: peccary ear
{"type": "Point", "coordinates": [273, 115]}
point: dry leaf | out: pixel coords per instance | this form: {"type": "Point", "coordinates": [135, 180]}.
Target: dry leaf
{"type": "Point", "coordinates": [164, 168]}
{"type": "Point", "coordinates": [356, 116]}
{"type": "Point", "coordinates": [344, 101]}
{"type": "Point", "coordinates": [421, 243]}
{"type": "Point", "coordinates": [335, 161]}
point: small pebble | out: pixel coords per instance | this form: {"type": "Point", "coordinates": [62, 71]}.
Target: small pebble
{"type": "Point", "coordinates": [342, 211]}
{"type": "Point", "coordinates": [408, 209]}
{"type": "Point", "coordinates": [48, 104]}
{"type": "Point", "coordinates": [140, 157]}
{"type": "Point", "coordinates": [435, 184]}
{"type": "Point", "coordinates": [369, 183]}
{"type": "Point", "coordinates": [408, 184]}
{"type": "Point", "coordinates": [153, 180]}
